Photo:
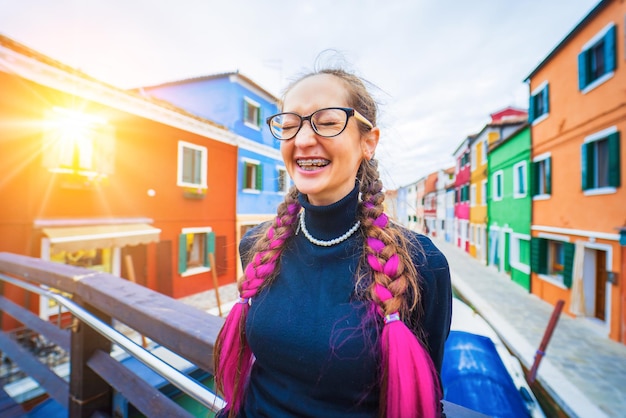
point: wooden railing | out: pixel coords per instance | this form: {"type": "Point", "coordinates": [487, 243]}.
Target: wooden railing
{"type": "Point", "coordinates": [96, 300]}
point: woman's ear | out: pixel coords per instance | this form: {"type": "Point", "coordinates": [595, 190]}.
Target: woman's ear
{"type": "Point", "coordinates": [369, 141]}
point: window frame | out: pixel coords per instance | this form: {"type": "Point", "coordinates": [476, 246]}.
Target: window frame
{"type": "Point", "coordinates": [181, 165]}
{"type": "Point", "coordinates": [282, 170]}
{"type": "Point", "coordinates": [589, 162]}
{"type": "Point", "coordinates": [483, 195]}
{"type": "Point", "coordinates": [545, 191]}
{"type": "Point", "coordinates": [248, 104]}
{"type": "Point", "coordinates": [497, 195]}
{"type": "Point", "coordinates": [517, 194]}
{"type": "Point", "coordinates": [539, 101]}
{"type": "Point", "coordinates": [207, 237]}
{"type": "Point", "coordinates": [607, 39]}
{"type": "Point", "coordinates": [257, 185]}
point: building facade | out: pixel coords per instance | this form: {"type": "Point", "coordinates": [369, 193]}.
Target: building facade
{"type": "Point", "coordinates": [509, 208]}
{"type": "Point", "coordinates": [578, 116]}
{"type": "Point", "coordinates": [100, 177]}
{"type": "Point", "coordinates": [462, 200]}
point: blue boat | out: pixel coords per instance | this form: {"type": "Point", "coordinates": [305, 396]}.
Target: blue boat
{"type": "Point", "coordinates": [479, 373]}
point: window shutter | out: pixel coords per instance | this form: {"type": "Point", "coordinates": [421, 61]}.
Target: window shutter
{"type": "Point", "coordinates": [568, 263]}
{"type": "Point", "coordinates": [586, 166]}
{"type": "Point", "coordinates": [539, 255]}
{"type": "Point", "coordinates": [548, 168]}
{"type": "Point", "coordinates": [259, 117]}
{"type": "Point", "coordinates": [610, 50]}
{"type": "Point", "coordinates": [259, 177]}
{"type": "Point", "coordinates": [209, 248]}
{"type": "Point", "coordinates": [182, 253]}
{"type": "Point", "coordinates": [614, 160]}
{"type": "Point", "coordinates": [546, 99]}
{"type": "Point", "coordinates": [582, 70]}
{"type": "Point", "coordinates": [534, 179]}
{"type": "Point", "coordinates": [531, 109]}
{"type": "Point", "coordinates": [245, 110]}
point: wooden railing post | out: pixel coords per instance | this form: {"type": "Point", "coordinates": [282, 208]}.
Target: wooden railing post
{"type": "Point", "coordinates": [532, 374]}
{"type": "Point", "coordinates": [88, 391]}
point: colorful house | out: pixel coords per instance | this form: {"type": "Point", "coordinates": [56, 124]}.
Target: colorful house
{"type": "Point", "coordinates": [445, 203]}
{"type": "Point", "coordinates": [419, 205]}
{"type": "Point", "coordinates": [508, 210]}
{"type": "Point", "coordinates": [461, 186]}
{"type": "Point", "coordinates": [502, 123]}
{"type": "Point", "coordinates": [241, 105]}
{"type": "Point", "coordinates": [430, 204]}
{"type": "Point", "coordinates": [99, 177]}
{"type": "Point", "coordinates": [578, 114]}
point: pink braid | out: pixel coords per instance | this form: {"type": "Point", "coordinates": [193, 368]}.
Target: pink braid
{"type": "Point", "coordinates": [233, 355]}
{"type": "Point", "coordinates": [411, 379]}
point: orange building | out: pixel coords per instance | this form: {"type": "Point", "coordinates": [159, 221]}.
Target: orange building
{"type": "Point", "coordinates": [578, 116]}
{"type": "Point", "coordinates": [95, 176]}
{"type": "Point", "coordinates": [502, 124]}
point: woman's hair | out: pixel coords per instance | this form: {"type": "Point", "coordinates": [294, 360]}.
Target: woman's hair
{"type": "Point", "coordinates": [409, 385]}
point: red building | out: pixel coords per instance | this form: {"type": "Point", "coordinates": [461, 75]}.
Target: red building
{"type": "Point", "coordinates": [462, 200]}
{"type": "Point", "coordinates": [95, 176]}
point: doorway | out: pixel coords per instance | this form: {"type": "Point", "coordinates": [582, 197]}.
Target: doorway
{"type": "Point", "coordinates": [595, 284]}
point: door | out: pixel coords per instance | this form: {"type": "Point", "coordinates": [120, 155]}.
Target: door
{"type": "Point", "coordinates": [137, 254]}
{"type": "Point", "coordinates": [601, 276]}
{"type": "Point", "coordinates": [164, 268]}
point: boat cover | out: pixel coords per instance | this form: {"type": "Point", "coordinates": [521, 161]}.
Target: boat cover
{"type": "Point", "coordinates": [474, 376]}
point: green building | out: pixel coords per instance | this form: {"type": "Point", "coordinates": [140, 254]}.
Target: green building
{"type": "Point", "coordinates": [509, 205]}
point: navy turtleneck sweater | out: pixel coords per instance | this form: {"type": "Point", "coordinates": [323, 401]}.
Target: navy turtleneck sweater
{"type": "Point", "coordinates": [316, 353]}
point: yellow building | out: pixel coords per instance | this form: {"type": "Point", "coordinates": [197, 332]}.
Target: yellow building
{"type": "Point", "coordinates": [503, 123]}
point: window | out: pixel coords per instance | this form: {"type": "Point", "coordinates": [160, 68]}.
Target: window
{"type": "Point", "coordinates": [520, 252]}
{"type": "Point", "coordinates": [473, 157]}
{"type": "Point", "coordinates": [77, 143]}
{"type": "Point", "coordinates": [483, 192]}
{"type": "Point", "coordinates": [282, 180]}
{"type": "Point", "coordinates": [541, 176]}
{"type": "Point", "coordinates": [484, 151]}
{"type": "Point", "coordinates": [539, 105]}
{"type": "Point", "coordinates": [600, 161]}
{"type": "Point", "coordinates": [473, 195]}
{"type": "Point", "coordinates": [252, 113]}
{"type": "Point", "coordinates": [552, 260]}
{"type": "Point", "coordinates": [252, 175]}
{"type": "Point", "coordinates": [519, 180]}
{"type": "Point", "coordinates": [497, 185]}
{"type": "Point", "coordinates": [195, 244]}
{"type": "Point", "coordinates": [192, 165]}
{"type": "Point", "coordinates": [596, 61]}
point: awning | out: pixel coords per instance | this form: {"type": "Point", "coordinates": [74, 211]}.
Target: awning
{"type": "Point", "coordinates": [101, 236]}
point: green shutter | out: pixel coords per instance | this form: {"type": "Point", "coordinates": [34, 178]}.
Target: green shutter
{"type": "Point", "coordinates": [610, 50]}
{"type": "Point", "coordinates": [539, 255]}
{"type": "Point", "coordinates": [568, 263]}
{"type": "Point", "coordinates": [614, 160]}
{"type": "Point", "coordinates": [182, 253]}
{"type": "Point", "coordinates": [548, 169]}
{"type": "Point", "coordinates": [259, 119]}
{"type": "Point", "coordinates": [582, 70]}
{"type": "Point", "coordinates": [534, 179]}
{"type": "Point", "coordinates": [586, 166]}
{"type": "Point", "coordinates": [209, 248]}
{"type": "Point", "coordinates": [259, 177]}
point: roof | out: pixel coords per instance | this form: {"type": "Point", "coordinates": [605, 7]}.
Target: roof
{"type": "Point", "coordinates": [501, 141]}
{"type": "Point", "coordinates": [217, 76]}
{"type": "Point", "coordinates": [597, 9]}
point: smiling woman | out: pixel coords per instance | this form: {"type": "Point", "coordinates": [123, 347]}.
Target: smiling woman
{"type": "Point", "coordinates": [337, 304]}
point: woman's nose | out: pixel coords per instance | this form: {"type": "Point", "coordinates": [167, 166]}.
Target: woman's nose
{"type": "Point", "coordinates": [306, 135]}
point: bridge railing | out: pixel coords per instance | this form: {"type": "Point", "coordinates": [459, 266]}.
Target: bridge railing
{"type": "Point", "coordinates": [97, 299]}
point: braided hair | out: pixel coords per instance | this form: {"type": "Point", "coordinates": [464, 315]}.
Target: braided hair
{"type": "Point", "coordinates": [386, 277]}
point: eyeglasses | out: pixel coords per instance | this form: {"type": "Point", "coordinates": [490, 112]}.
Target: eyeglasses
{"type": "Point", "coordinates": [327, 122]}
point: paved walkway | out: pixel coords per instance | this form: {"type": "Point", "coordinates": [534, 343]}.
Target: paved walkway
{"type": "Point", "coordinates": [583, 371]}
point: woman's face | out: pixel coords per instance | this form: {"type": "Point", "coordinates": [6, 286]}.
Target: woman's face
{"type": "Point", "coordinates": [324, 168]}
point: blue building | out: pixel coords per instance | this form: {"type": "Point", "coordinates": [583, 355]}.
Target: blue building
{"type": "Point", "coordinates": [241, 106]}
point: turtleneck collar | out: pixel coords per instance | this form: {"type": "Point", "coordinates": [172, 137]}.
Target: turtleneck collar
{"type": "Point", "coordinates": [329, 222]}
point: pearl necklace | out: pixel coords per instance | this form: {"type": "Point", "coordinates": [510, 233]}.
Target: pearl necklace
{"type": "Point", "coordinates": [328, 243]}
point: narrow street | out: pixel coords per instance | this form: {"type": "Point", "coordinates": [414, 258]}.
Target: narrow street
{"type": "Point", "coordinates": [583, 371]}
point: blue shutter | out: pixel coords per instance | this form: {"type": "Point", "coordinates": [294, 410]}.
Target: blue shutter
{"type": "Point", "coordinates": [582, 70]}
{"type": "Point", "coordinates": [610, 54]}
{"type": "Point", "coordinates": [585, 168]}
{"type": "Point", "coordinates": [182, 253]}
{"type": "Point", "coordinates": [546, 100]}
{"type": "Point", "coordinates": [614, 160]}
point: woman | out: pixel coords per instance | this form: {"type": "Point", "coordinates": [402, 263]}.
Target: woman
{"type": "Point", "coordinates": [342, 313]}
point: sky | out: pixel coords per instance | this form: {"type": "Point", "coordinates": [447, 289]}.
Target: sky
{"type": "Point", "coordinates": [437, 68]}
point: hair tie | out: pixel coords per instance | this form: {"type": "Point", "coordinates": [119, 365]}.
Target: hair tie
{"type": "Point", "coordinates": [243, 300]}
{"type": "Point", "coordinates": [392, 318]}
